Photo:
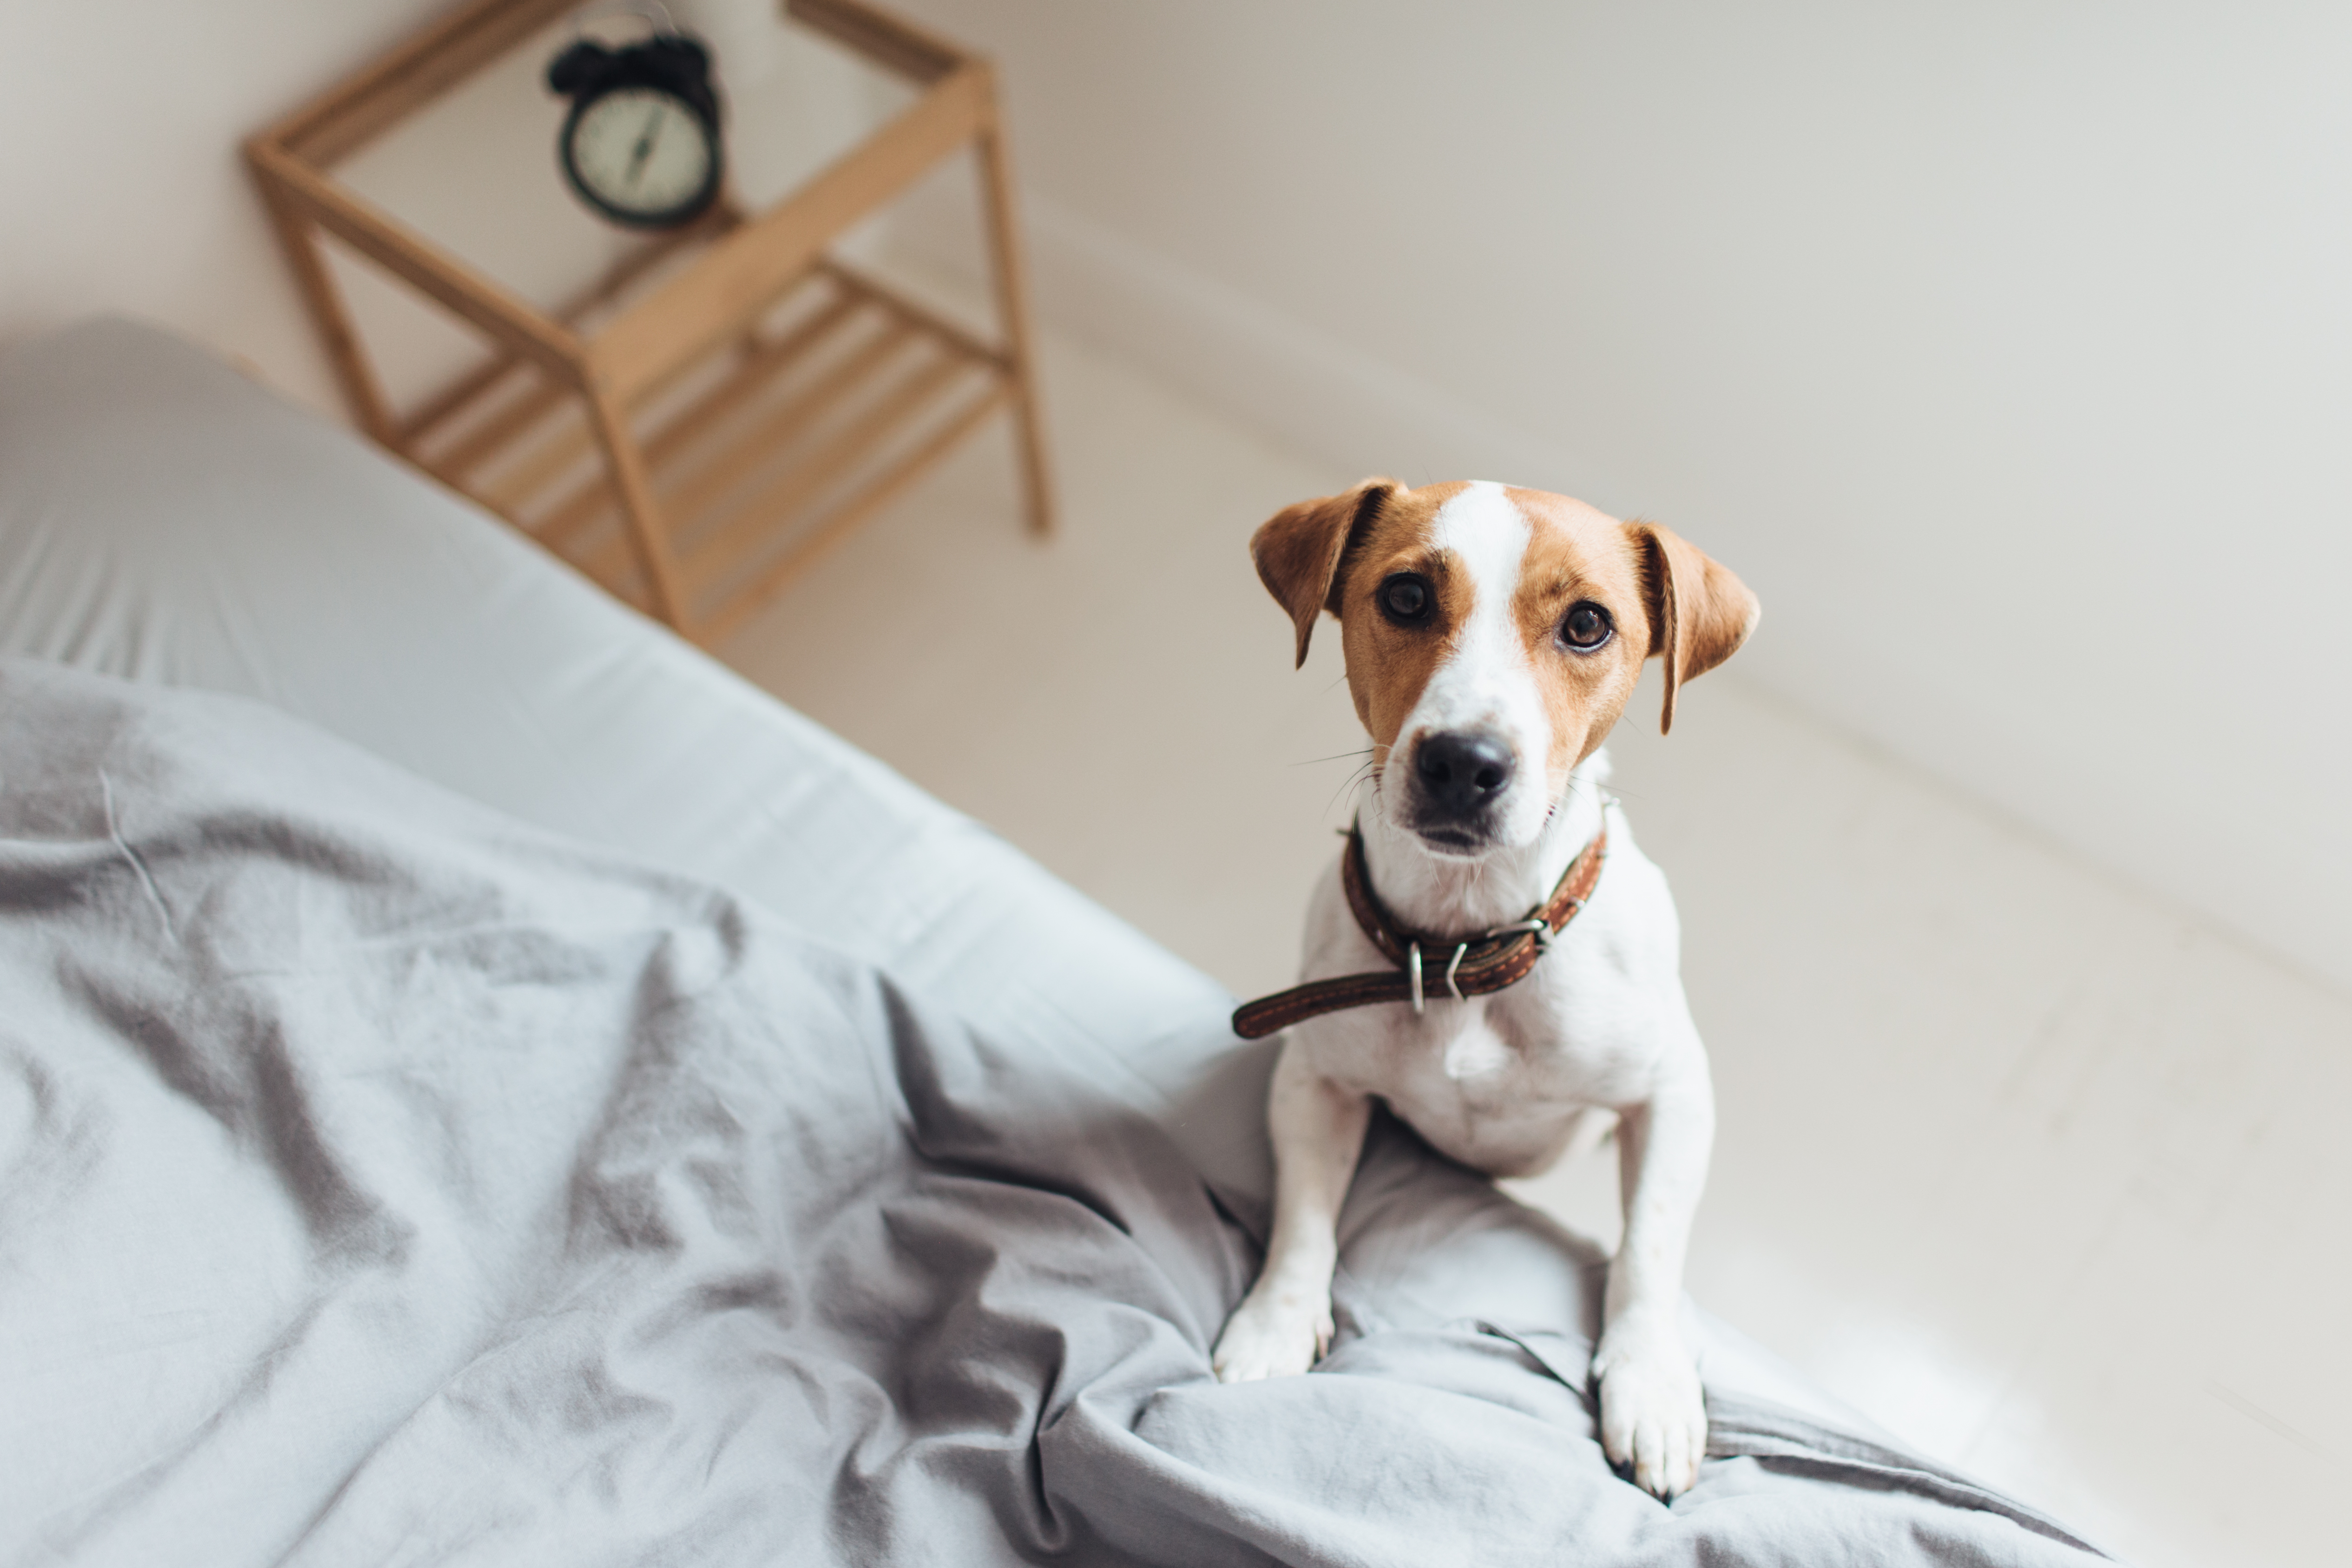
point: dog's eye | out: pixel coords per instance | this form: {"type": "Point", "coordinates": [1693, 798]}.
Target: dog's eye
{"type": "Point", "coordinates": [1587, 627]}
{"type": "Point", "coordinates": [1406, 597]}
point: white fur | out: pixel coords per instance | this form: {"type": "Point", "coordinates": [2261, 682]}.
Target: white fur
{"type": "Point", "coordinates": [1485, 682]}
{"type": "Point", "coordinates": [1503, 1082]}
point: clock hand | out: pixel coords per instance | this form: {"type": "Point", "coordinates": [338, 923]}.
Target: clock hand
{"type": "Point", "coordinates": [645, 149]}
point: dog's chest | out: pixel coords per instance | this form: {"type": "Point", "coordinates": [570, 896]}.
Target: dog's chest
{"type": "Point", "coordinates": [1497, 1081]}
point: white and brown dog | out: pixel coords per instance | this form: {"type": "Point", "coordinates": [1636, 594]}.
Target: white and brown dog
{"type": "Point", "coordinates": [1493, 636]}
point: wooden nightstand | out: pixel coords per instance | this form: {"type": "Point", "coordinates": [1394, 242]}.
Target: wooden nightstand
{"type": "Point", "coordinates": [729, 398]}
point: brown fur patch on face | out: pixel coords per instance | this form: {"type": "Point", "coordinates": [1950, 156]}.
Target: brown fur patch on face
{"type": "Point", "coordinates": [1577, 554]}
{"type": "Point", "coordinates": [1389, 664]}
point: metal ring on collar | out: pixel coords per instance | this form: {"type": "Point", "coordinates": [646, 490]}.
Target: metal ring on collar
{"type": "Point", "coordinates": [1535, 925]}
{"type": "Point", "coordinates": [1413, 968]}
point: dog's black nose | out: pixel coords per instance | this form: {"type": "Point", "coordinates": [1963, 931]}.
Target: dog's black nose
{"type": "Point", "coordinates": [1462, 771]}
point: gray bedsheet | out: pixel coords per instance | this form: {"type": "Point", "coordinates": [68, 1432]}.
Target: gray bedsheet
{"type": "Point", "coordinates": [384, 1181]}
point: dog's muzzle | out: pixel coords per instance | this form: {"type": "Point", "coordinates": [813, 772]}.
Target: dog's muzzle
{"type": "Point", "coordinates": [1459, 777]}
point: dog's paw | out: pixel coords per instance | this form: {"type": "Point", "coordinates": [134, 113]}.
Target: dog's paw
{"type": "Point", "coordinates": [1652, 1414]}
{"type": "Point", "coordinates": [1272, 1334]}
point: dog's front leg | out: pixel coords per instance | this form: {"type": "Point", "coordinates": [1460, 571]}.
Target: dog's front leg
{"type": "Point", "coordinates": [1284, 1324]}
{"type": "Point", "coordinates": [1652, 1414]}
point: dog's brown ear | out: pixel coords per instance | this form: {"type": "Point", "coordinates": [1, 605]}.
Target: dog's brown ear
{"type": "Point", "coordinates": [1299, 550]}
{"type": "Point", "coordinates": [1699, 613]}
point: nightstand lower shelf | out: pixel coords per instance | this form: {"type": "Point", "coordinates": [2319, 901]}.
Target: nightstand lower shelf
{"type": "Point", "coordinates": [760, 454]}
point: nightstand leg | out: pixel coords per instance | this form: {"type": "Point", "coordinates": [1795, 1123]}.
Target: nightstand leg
{"type": "Point", "coordinates": [641, 516]}
{"type": "Point", "coordinates": [1012, 315]}
{"type": "Point", "coordinates": [362, 394]}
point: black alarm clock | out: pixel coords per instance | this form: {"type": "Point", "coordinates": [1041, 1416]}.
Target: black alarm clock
{"type": "Point", "coordinates": [641, 144]}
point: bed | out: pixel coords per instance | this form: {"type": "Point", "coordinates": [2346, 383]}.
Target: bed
{"type": "Point", "coordinates": [482, 1083]}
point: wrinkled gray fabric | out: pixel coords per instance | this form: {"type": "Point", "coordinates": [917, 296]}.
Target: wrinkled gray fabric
{"type": "Point", "coordinates": [384, 1181]}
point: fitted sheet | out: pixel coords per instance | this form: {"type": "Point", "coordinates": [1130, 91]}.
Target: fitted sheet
{"type": "Point", "coordinates": [164, 520]}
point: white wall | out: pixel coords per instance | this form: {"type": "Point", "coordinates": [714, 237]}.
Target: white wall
{"type": "Point", "coordinates": [123, 190]}
{"type": "Point", "coordinates": [2005, 349]}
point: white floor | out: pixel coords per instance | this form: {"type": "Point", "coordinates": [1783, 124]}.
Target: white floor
{"type": "Point", "coordinates": [2049, 1179]}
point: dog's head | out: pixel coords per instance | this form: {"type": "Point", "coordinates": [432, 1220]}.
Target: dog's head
{"type": "Point", "coordinates": [1492, 635]}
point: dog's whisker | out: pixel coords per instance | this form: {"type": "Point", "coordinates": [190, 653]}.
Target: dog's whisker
{"type": "Point", "coordinates": [1352, 781]}
{"type": "Point", "coordinates": [1335, 756]}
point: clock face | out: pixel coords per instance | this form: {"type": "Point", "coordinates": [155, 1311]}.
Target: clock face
{"type": "Point", "coordinates": [641, 155]}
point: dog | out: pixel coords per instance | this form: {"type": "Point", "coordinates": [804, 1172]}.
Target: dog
{"type": "Point", "coordinates": [1493, 636]}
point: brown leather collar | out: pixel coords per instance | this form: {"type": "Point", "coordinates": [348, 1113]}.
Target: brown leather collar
{"type": "Point", "coordinates": [1465, 966]}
